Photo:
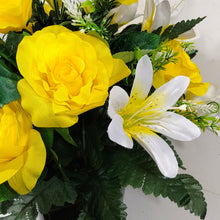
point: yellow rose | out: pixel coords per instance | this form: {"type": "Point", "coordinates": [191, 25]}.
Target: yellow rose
{"type": "Point", "coordinates": [14, 15]}
{"type": "Point", "coordinates": [185, 67]}
{"type": "Point", "coordinates": [65, 74]}
{"type": "Point", "coordinates": [23, 154]}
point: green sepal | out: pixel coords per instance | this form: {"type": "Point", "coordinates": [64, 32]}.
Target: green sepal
{"type": "Point", "coordinates": [47, 135]}
{"type": "Point", "coordinates": [64, 132]}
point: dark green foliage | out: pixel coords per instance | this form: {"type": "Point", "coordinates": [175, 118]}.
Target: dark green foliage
{"type": "Point", "coordinates": [128, 41]}
{"type": "Point", "coordinates": [41, 19]}
{"type": "Point", "coordinates": [6, 192]}
{"type": "Point", "coordinates": [173, 31]}
{"type": "Point", "coordinates": [97, 170]}
{"type": "Point", "coordinates": [45, 195]}
{"type": "Point", "coordinates": [102, 200]}
{"type": "Point", "coordinates": [192, 53]}
{"type": "Point", "coordinates": [12, 42]}
{"type": "Point", "coordinates": [136, 168]}
{"type": "Point", "coordinates": [8, 85]}
{"type": "Point", "coordinates": [23, 208]}
{"type": "Point", "coordinates": [184, 190]}
{"type": "Point", "coordinates": [54, 192]}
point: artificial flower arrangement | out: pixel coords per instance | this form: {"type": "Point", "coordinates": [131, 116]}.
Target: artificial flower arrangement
{"type": "Point", "coordinates": [71, 138]}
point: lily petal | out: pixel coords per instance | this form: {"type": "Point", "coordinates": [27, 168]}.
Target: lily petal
{"type": "Point", "coordinates": [192, 34]}
{"type": "Point", "coordinates": [177, 7]}
{"type": "Point", "coordinates": [160, 151]}
{"type": "Point", "coordinates": [117, 134]}
{"type": "Point", "coordinates": [118, 99]}
{"type": "Point", "coordinates": [162, 15]}
{"type": "Point", "coordinates": [149, 12]}
{"type": "Point", "coordinates": [168, 94]}
{"type": "Point", "coordinates": [175, 126]}
{"type": "Point", "coordinates": [143, 79]}
{"type": "Point", "coordinates": [124, 13]}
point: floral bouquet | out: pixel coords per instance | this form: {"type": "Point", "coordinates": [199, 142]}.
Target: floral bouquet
{"type": "Point", "coordinates": [90, 104]}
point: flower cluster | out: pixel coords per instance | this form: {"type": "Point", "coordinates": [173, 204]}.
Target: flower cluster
{"type": "Point", "coordinates": [66, 68]}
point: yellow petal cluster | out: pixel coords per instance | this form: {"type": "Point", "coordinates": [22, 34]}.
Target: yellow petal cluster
{"type": "Point", "coordinates": [65, 74]}
{"type": "Point", "coordinates": [14, 15]}
{"type": "Point", "coordinates": [185, 67]}
{"type": "Point", "coordinates": [23, 154]}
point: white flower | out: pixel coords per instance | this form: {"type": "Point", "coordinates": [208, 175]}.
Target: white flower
{"type": "Point", "coordinates": [123, 13]}
{"type": "Point", "coordinates": [163, 13]}
{"type": "Point", "coordinates": [72, 8]}
{"type": "Point", "coordinates": [139, 117]}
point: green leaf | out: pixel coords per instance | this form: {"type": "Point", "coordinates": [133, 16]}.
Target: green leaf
{"type": "Point", "coordinates": [6, 192]}
{"type": "Point", "coordinates": [44, 196]}
{"type": "Point", "coordinates": [130, 40]}
{"type": "Point", "coordinates": [181, 27]}
{"type": "Point", "coordinates": [184, 190]}
{"type": "Point", "coordinates": [22, 208]}
{"type": "Point", "coordinates": [103, 198]}
{"type": "Point", "coordinates": [128, 56]}
{"type": "Point", "coordinates": [8, 85]}
{"type": "Point", "coordinates": [12, 41]}
{"type": "Point", "coordinates": [64, 132]}
{"type": "Point", "coordinates": [54, 192]}
{"type": "Point", "coordinates": [136, 168]}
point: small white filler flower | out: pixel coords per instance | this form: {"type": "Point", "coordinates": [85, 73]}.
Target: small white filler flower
{"type": "Point", "coordinates": [141, 117]}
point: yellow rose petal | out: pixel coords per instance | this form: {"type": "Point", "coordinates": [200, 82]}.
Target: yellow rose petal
{"type": "Point", "coordinates": [120, 71]}
{"type": "Point", "coordinates": [67, 73]}
{"type": "Point", "coordinates": [40, 108]}
{"type": "Point", "coordinates": [26, 178]}
{"type": "Point", "coordinates": [14, 15]}
{"type": "Point", "coordinates": [183, 66]}
{"type": "Point", "coordinates": [10, 168]}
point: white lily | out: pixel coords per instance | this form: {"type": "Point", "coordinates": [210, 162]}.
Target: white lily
{"type": "Point", "coordinates": [139, 117]}
{"type": "Point", "coordinates": [163, 13]}
{"type": "Point", "coordinates": [123, 13]}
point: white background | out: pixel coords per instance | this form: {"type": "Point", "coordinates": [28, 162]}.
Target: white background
{"type": "Point", "coordinates": [202, 156]}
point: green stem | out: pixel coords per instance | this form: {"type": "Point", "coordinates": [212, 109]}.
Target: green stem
{"type": "Point", "coordinates": [62, 11]}
{"type": "Point", "coordinates": [57, 10]}
{"type": "Point", "coordinates": [55, 158]}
